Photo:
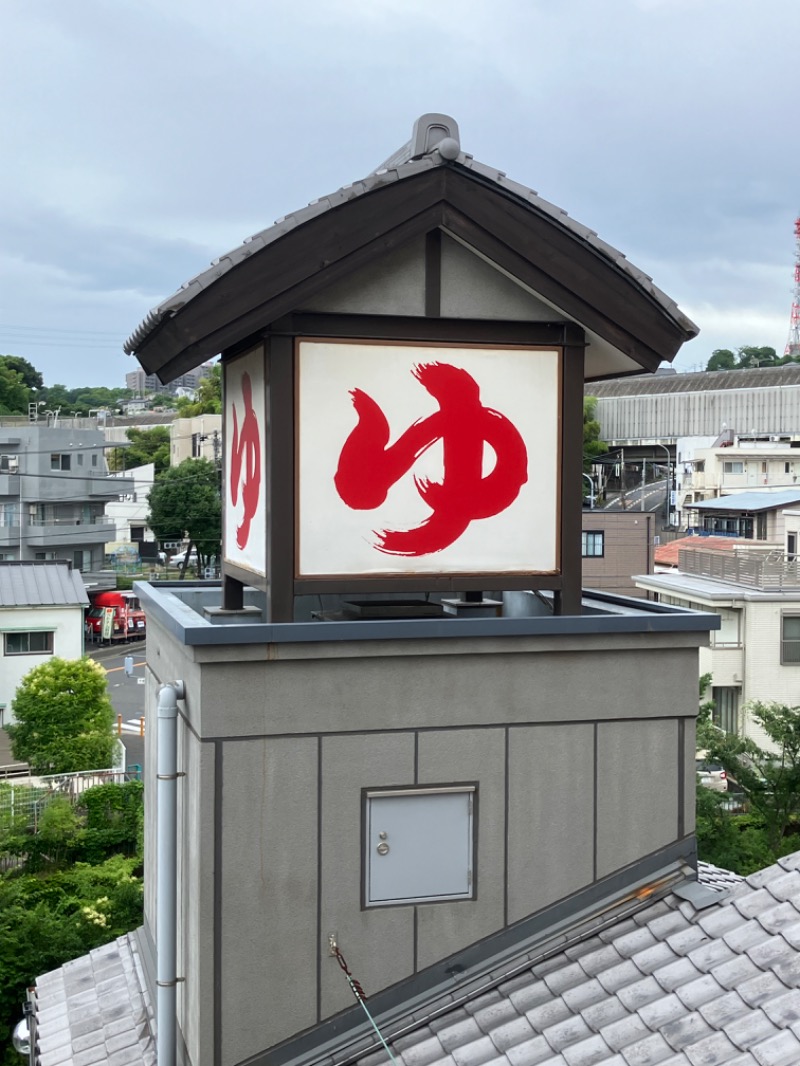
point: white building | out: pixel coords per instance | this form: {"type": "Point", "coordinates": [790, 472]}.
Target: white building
{"type": "Point", "coordinates": [755, 655]}
{"type": "Point", "coordinates": [707, 468]}
{"type": "Point", "coordinates": [129, 512]}
{"type": "Point", "coordinates": [41, 615]}
{"type": "Point", "coordinates": [196, 438]}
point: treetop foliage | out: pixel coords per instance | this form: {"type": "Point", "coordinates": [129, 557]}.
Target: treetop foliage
{"type": "Point", "coordinates": [147, 446]}
{"type": "Point", "coordinates": [185, 502]}
{"type": "Point", "coordinates": [209, 396]}
{"type": "Point", "coordinates": [64, 717]}
{"type": "Point", "coordinates": [747, 357]}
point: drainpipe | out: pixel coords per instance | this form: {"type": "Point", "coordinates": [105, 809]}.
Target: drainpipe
{"type": "Point", "coordinates": [166, 871]}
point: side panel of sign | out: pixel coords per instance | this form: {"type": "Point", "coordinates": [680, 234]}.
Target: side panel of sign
{"type": "Point", "coordinates": [244, 488]}
{"type": "Point", "coordinates": [427, 459]}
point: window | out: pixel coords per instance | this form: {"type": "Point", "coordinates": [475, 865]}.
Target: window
{"type": "Point", "coordinates": [94, 458]}
{"type": "Point", "coordinates": [197, 447]}
{"type": "Point", "coordinates": [36, 643]}
{"type": "Point", "coordinates": [9, 464]}
{"type": "Point", "coordinates": [8, 514]}
{"type": "Point", "coordinates": [791, 547]}
{"type": "Point", "coordinates": [59, 461]}
{"type": "Point", "coordinates": [733, 468]}
{"type": "Point", "coordinates": [726, 708]}
{"type": "Point", "coordinates": [80, 458]}
{"type": "Point", "coordinates": [790, 639]}
{"type": "Point", "coordinates": [592, 544]}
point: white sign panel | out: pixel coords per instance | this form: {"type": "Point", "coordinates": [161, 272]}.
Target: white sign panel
{"type": "Point", "coordinates": [245, 463]}
{"type": "Point", "coordinates": [426, 459]}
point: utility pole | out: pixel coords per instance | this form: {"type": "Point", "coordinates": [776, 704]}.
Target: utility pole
{"type": "Point", "coordinates": [644, 483]}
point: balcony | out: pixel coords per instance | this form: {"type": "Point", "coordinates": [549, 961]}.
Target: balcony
{"type": "Point", "coordinates": [110, 488]}
{"type": "Point", "coordinates": [60, 532]}
{"type": "Point", "coordinates": [767, 572]}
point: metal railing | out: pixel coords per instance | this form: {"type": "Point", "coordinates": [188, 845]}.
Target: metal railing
{"type": "Point", "coordinates": [768, 572]}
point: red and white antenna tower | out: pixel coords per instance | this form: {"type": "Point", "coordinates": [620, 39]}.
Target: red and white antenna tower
{"type": "Point", "coordinates": [793, 343]}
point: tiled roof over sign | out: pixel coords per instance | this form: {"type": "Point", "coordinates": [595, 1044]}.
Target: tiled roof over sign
{"type": "Point", "coordinates": [421, 153]}
{"type": "Point", "coordinates": [671, 986]}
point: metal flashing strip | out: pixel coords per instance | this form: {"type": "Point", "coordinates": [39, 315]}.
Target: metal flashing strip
{"type": "Point", "coordinates": [190, 628]}
{"type": "Point", "coordinates": [475, 970]}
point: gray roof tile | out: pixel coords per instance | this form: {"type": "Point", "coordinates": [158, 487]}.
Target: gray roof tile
{"type": "Point", "coordinates": [570, 1031]}
{"type": "Point", "coordinates": [759, 990]}
{"type": "Point", "coordinates": [604, 1013]}
{"type": "Point", "coordinates": [635, 996]}
{"type": "Point", "coordinates": [778, 917]}
{"type": "Point", "coordinates": [710, 955]}
{"type": "Point", "coordinates": [476, 1053]}
{"type": "Point", "coordinates": [460, 1032]}
{"type": "Point", "coordinates": [589, 1052]}
{"type": "Point", "coordinates": [548, 1014]}
{"type": "Point", "coordinates": [724, 1010]}
{"type": "Point", "coordinates": [783, 1049]}
{"type": "Point", "coordinates": [714, 1050]}
{"type": "Point", "coordinates": [626, 1031]}
{"type": "Point", "coordinates": [677, 974]}
{"type": "Point", "coordinates": [732, 974]}
{"type": "Point", "coordinates": [513, 1032]}
{"type": "Point", "coordinates": [784, 1010]}
{"type": "Point", "coordinates": [662, 1010]}
{"type": "Point", "coordinates": [687, 1030]}
{"type": "Point", "coordinates": [648, 1052]}
{"type": "Point", "coordinates": [530, 1052]}
{"type": "Point", "coordinates": [751, 1029]}
{"type": "Point", "coordinates": [695, 993]}
{"type": "Point", "coordinates": [581, 996]}
{"type": "Point", "coordinates": [624, 973]}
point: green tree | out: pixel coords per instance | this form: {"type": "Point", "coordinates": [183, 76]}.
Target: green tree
{"type": "Point", "coordinates": [47, 920]}
{"type": "Point", "coordinates": [14, 394]}
{"type": "Point", "coordinates": [592, 445]}
{"type": "Point", "coordinates": [750, 356]}
{"type": "Point", "coordinates": [64, 717]}
{"type": "Point", "coordinates": [770, 778]}
{"type": "Point", "coordinates": [721, 359]}
{"type": "Point", "coordinates": [185, 502]}
{"type": "Point", "coordinates": [147, 446]}
{"type": "Point", "coordinates": [31, 378]}
{"type": "Point", "coordinates": [209, 396]}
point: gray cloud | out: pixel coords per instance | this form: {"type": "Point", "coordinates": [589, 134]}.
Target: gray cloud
{"type": "Point", "coordinates": [143, 139]}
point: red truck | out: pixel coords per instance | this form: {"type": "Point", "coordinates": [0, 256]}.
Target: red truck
{"type": "Point", "coordinates": [126, 623]}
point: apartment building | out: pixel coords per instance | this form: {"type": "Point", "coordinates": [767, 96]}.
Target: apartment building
{"type": "Point", "coordinates": [755, 654]}
{"type": "Point", "coordinates": [734, 463]}
{"type": "Point", "coordinates": [142, 383]}
{"type": "Point", "coordinates": [54, 488]}
{"type": "Point", "coordinates": [196, 438]}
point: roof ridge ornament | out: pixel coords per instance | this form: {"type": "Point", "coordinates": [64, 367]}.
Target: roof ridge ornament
{"type": "Point", "coordinates": [431, 131]}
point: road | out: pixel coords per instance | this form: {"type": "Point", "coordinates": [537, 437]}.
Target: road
{"type": "Point", "coordinates": [654, 493]}
{"type": "Point", "coordinates": [127, 693]}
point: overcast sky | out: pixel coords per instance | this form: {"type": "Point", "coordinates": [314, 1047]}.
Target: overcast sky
{"type": "Point", "coordinates": [143, 138]}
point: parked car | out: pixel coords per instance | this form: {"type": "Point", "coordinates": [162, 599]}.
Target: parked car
{"type": "Point", "coordinates": [179, 559]}
{"type": "Point", "coordinates": [710, 774]}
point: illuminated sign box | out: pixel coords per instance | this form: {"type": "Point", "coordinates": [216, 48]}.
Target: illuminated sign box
{"type": "Point", "coordinates": [426, 459]}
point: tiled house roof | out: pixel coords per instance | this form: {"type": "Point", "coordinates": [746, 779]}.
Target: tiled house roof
{"type": "Point", "coordinates": [672, 986]}
{"type": "Point", "coordinates": [95, 1009]}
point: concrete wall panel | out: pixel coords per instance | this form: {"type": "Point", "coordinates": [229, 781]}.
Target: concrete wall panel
{"type": "Point", "coordinates": [378, 943]}
{"type": "Point", "coordinates": [268, 893]}
{"type": "Point", "coordinates": [452, 757]}
{"type": "Point", "coordinates": [550, 815]}
{"type": "Point", "coordinates": [358, 694]}
{"type": "Point", "coordinates": [637, 801]}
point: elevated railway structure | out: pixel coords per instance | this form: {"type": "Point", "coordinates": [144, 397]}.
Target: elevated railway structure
{"type": "Point", "coordinates": [633, 412]}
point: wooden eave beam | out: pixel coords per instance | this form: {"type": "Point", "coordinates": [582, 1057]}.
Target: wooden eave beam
{"type": "Point", "coordinates": [529, 245]}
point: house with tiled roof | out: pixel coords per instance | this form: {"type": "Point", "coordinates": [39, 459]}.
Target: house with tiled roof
{"type": "Point", "coordinates": [410, 791]}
